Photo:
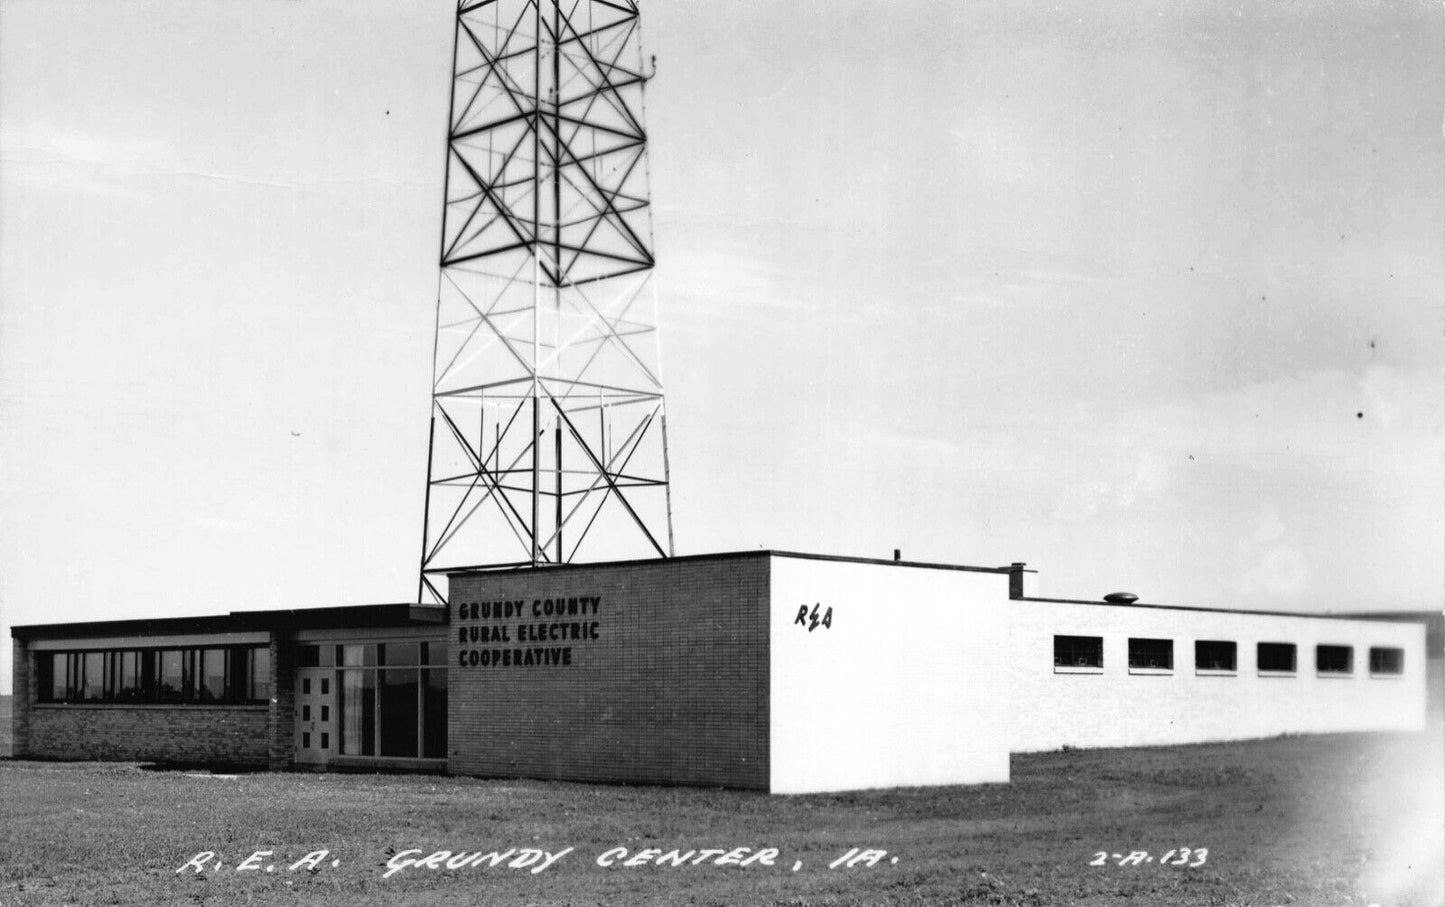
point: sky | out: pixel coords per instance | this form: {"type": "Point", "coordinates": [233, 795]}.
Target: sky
{"type": "Point", "coordinates": [1149, 295]}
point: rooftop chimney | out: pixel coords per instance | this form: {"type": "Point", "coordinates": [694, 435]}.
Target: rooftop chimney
{"type": "Point", "coordinates": [1022, 582]}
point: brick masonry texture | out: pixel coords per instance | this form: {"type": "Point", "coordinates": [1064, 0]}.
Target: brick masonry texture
{"type": "Point", "coordinates": [25, 680]}
{"type": "Point", "coordinates": [674, 690]}
{"type": "Point", "coordinates": [234, 735]}
{"type": "Point", "coordinates": [281, 723]}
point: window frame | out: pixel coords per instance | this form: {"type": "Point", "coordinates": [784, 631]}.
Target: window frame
{"type": "Point", "coordinates": [1383, 672]}
{"type": "Point", "coordinates": [1150, 670]}
{"type": "Point", "coordinates": [1076, 668]}
{"type": "Point", "coordinates": [146, 665]}
{"type": "Point", "coordinates": [1321, 671]}
{"type": "Point", "coordinates": [1210, 671]}
{"type": "Point", "coordinates": [369, 660]}
{"type": "Point", "coordinates": [1276, 672]}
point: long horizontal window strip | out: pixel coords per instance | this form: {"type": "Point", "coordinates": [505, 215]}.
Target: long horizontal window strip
{"type": "Point", "coordinates": [372, 655]}
{"type": "Point", "coordinates": [219, 675]}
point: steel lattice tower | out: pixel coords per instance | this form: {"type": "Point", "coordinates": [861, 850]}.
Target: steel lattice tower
{"type": "Point", "coordinates": [548, 437]}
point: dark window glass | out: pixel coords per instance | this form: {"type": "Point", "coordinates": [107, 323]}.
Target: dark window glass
{"type": "Point", "coordinates": [170, 676]}
{"type": "Point", "coordinates": [1151, 653]}
{"type": "Point", "coordinates": [148, 675]}
{"type": "Point", "coordinates": [1079, 651]}
{"type": "Point", "coordinates": [1334, 659]}
{"type": "Point", "coordinates": [129, 686]}
{"type": "Point", "coordinates": [1276, 656]}
{"type": "Point", "coordinates": [316, 656]}
{"type": "Point", "coordinates": [51, 680]}
{"type": "Point", "coordinates": [211, 675]}
{"type": "Point", "coordinates": [358, 713]}
{"type": "Point", "coordinates": [400, 653]}
{"type": "Point", "coordinates": [1387, 660]}
{"type": "Point", "coordinates": [1214, 655]}
{"type": "Point", "coordinates": [92, 682]}
{"type": "Point", "coordinates": [434, 713]}
{"type": "Point", "coordinates": [112, 675]}
{"type": "Point", "coordinates": [398, 711]}
{"type": "Point", "coordinates": [259, 687]}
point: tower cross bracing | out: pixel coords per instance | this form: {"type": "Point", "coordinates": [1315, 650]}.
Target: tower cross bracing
{"type": "Point", "coordinates": [548, 431]}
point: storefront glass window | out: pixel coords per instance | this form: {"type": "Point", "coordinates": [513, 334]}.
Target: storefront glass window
{"type": "Point", "coordinates": [399, 712]}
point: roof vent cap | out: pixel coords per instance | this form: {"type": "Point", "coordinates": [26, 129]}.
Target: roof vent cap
{"type": "Point", "coordinates": [1121, 598]}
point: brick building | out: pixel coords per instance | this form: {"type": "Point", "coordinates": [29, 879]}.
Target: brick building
{"type": "Point", "coordinates": [765, 670]}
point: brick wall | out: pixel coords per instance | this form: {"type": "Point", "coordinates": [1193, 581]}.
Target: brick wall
{"type": "Point", "coordinates": [673, 690]}
{"type": "Point", "coordinates": [281, 724]}
{"type": "Point", "coordinates": [234, 735]}
{"type": "Point", "coordinates": [23, 676]}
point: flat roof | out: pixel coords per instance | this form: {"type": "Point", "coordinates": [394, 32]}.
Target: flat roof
{"type": "Point", "coordinates": [406, 614]}
{"type": "Point", "coordinates": [385, 615]}
{"type": "Point", "coordinates": [1337, 615]}
{"type": "Point", "coordinates": [723, 555]}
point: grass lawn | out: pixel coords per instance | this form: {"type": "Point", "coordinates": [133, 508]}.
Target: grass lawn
{"type": "Point", "coordinates": [1333, 820]}
{"type": "Point", "coordinates": [6, 729]}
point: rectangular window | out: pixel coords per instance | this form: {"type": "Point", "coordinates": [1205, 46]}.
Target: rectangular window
{"type": "Point", "coordinates": [1387, 660]}
{"type": "Point", "coordinates": [170, 676]}
{"type": "Point", "coordinates": [1151, 654]}
{"type": "Point", "coordinates": [358, 713]}
{"type": "Point", "coordinates": [400, 653]}
{"type": "Point", "coordinates": [1276, 657]}
{"type": "Point", "coordinates": [399, 712]}
{"type": "Point", "coordinates": [1214, 655]}
{"type": "Point", "coordinates": [316, 656]}
{"type": "Point", "coordinates": [434, 713]}
{"type": "Point", "coordinates": [92, 681]}
{"type": "Point", "coordinates": [54, 677]}
{"type": "Point", "coordinates": [1334, 659]}
{"type": "Point", "coordinates": [363, 655]}
{"type": "Point", "coordinates": [1078, 651]}
{"type": "Point", "coordinates": [211, 675]}
{"type": "Point", "coordinates": [258, 686]}
{"type": "Point", "coordinates": [128, 680]}
{"type": "Point", "coordinates": [148, 675]}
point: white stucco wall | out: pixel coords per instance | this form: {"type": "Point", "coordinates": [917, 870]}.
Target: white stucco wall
{"type": "Point", "coordinates": [907, 687]}
{"type": "Point", "coordinates": [1117, 708]}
